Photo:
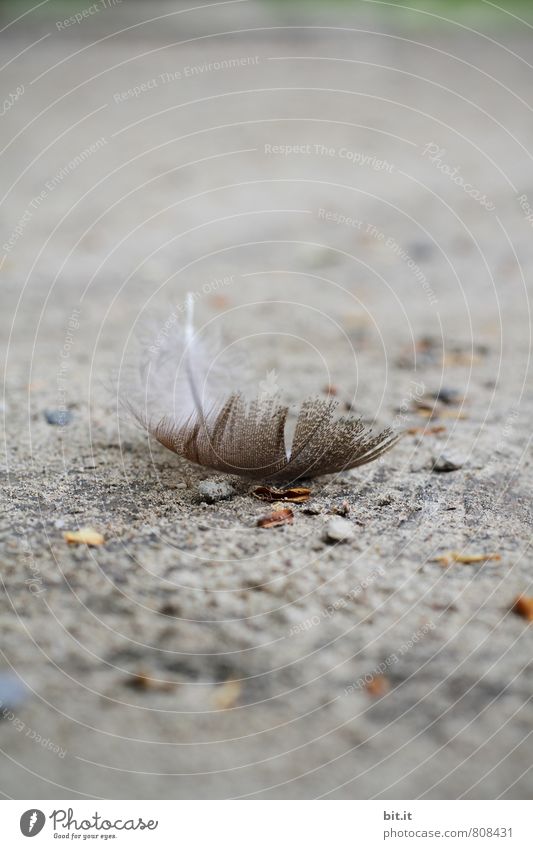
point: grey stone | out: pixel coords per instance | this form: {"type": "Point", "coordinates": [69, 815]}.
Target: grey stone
{"type": "Point", "coordinates": [212, 490]}
{"type": "Point", "coordinates": [448, 462]}
{"type": "Point", "coordinates": [448, 395]}
{"type": "Point", "coordinates": [338, 530]}
{"type": "Point", "coordinates": [13, 692]}
{"type": "Point", "coordinates": [58, 417]}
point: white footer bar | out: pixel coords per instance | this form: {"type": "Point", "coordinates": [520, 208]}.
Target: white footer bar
{"type": "Point", "coordinates": [272, 824]}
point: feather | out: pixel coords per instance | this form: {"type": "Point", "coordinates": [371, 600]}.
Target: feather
{"type": "Point", "coordinates": [187, 405]}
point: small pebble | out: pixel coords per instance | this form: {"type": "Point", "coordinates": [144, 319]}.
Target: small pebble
{"type": "Point", "coordinates": [13, 692]}
{"type": "Point", "coordinates": [338, 530]}
{"type": "Point", "coordinates": [213, 490]}
{"type": "Point", "coordinates": [421, 250]}
{"type": "Point", "coordinates": [58, 417]}
{"type": "Point", "coordinates": [447, 462]}
{"type": "Point", "coordinates": [447, 395]}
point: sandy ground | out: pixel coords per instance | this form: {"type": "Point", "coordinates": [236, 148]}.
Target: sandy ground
{"type": "Point", "coordinates": [195, 654]}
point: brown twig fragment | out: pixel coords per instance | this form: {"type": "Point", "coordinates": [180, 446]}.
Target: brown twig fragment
{"type": "Point", "coordinates": [457, 557]}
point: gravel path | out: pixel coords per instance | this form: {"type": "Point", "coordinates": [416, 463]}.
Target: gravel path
{"type": "Point", "coordinates": [347, 196]}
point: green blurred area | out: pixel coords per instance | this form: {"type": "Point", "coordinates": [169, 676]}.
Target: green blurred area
{"type": "Point", "coordinates": [418, 12]}
{"type": "Point", "coordinates": [486, 6]}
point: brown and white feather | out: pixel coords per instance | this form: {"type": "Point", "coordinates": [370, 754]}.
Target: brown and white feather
{"type": "Point", "coordinates": [178, 399]}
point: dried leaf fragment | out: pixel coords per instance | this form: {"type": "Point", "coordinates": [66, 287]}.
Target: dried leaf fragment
{"type": "Point", "coordinates": [424, 405]}
{"type": "Point", "coordinates": [220, 302]}
{"type": "Point", "coordinates": [457, 557]}
{"type": "Point", "coordinates": [278, 517]}
{"type": "Point", "coordinates": [85, 536]}
{"type": "Point", "coordinates": [524, 607]}
{"type": "Point", "coordinates": [426, 431]}
{"type": "Point", "coordinates": [435, 413]}
{"type": "Point", "coordinates": [294, 494]}
{"type": "Point", "coordinates": [227, 695]}
{"type": "Point", "coordinates": [452, 414]}
{"type": "Point", "coordinates": [460, 358]}
{"type": "Point", "coordinates": [378, 686]}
